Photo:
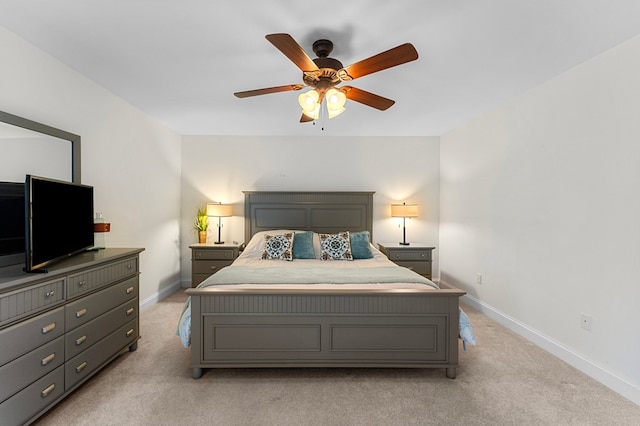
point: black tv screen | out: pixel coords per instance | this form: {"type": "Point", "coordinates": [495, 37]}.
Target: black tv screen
{"type": "Point", "coordinates": [59, 220]}
{"type": "Point", "coordinates": [11, 223]}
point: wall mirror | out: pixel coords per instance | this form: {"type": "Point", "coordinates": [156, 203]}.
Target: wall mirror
{"type": "Point", "coordinates": [28, 147]}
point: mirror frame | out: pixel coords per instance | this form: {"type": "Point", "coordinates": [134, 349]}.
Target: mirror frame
{"type": "Point", "coordinates": [14, 120]}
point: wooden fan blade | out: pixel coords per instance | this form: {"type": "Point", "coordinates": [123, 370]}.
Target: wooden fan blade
{"type": "Point", "coordinates": [292, 50]}
{"type": "Point", "coordinates": [305, 118]}
{"type": "Point", "coordinates": [387, 59]}
{"type": "Point", "coordinates": [269, 90]}
{"type": "Point", "coordinates": [367, 98]}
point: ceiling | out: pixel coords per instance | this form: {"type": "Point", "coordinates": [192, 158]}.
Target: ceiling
{"type": "Point", "coordinates": [181, 61]}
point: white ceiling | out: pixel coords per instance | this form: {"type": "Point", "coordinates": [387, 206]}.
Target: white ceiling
{"type": "Point", "coordinates": [181, 61]}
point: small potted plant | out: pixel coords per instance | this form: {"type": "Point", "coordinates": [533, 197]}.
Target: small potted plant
{"type": "Point", "coordinates": [201, 224]}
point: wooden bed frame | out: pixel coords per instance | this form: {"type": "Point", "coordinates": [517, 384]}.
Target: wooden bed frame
{"type": "Point", "coordinates": [243, 328]}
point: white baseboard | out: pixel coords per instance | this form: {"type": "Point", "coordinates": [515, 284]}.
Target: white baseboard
{"type": "Point", "coordinates": [158, 296]}
{"type": "Point", "coordinates": [591, 369]}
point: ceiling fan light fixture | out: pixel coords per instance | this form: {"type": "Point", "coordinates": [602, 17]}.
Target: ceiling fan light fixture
{"type": "Point", "coordinates": [335, 102]}
{"type": "Point", "coordinates": [335, 99]}
{"type": "Point", "coordinates": [335, 112]}
{"type": "Point", "coordinates": [308, 100]}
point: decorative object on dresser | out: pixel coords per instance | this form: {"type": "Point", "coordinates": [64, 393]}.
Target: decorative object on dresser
{"type": "Point", "coordinates": [417, 257]}
{"type": "Point", "coordinates": [100, 229]}
{"type": "Point", "coordinates": [208, 259]}
{"type": "Point", "coordinates": [59, 329]}
{"type": "Point", "coordinates": [219, 210]}
{"type": "Point", "coordinates": [404, 211]}
{"type": "Point", "coordinates": [201, 224]}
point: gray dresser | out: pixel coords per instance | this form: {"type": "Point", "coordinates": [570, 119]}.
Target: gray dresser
{"type": "Point", "coordinates": [59, 328]}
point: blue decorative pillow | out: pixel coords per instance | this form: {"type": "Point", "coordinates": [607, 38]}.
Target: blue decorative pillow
{"type": "Point", "coordinates": [360, 245]}
{"type": "Point", "coordinates": [335, 246]}
{"type": "Point", "coordinates": [303, 245]}
{"type": "Point", "coordinates": [278, 246]}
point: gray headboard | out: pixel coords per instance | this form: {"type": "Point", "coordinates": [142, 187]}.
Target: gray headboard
{"type": "Point", "coordinates": [325, 212]}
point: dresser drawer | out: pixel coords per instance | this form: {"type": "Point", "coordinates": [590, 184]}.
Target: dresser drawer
{"type": "Point", "coordinates": [92, 306]}
{"type": "Point", "coordinates": [21, 303]}
{"type": "Point", "coordinates": [218, 254]}
{"type": "Point", "coordinates": [30, 334]}
{"type": "Point", "coordinates": [25, 370]}
{"type": "Point", "coordinates": [86, 335]}
{"type": "Point", "coordinates": [21, 407]}
{"type": "Point", "coordinates": [88, 361]}
{"type": "Point", "coordinates": [209, 266]}
{"type": "Point", "coordinates": [92, 279]}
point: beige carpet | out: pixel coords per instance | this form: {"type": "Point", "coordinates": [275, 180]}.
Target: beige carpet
{"type": "Point", "coordinates": [503, 381]}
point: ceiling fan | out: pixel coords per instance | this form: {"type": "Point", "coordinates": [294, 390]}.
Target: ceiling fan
{"type": "Point", "coordinates": [323, 75]}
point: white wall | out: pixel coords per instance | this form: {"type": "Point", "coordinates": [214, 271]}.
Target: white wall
{"type": "Point", "coordinates": [132, 161]}
{"type": "Point", "coordinates": [542, 198]}
{"type": "Point", "coordinates": [219, 168]}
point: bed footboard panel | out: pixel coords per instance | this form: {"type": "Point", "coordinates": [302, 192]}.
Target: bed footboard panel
{"type": "Point", "coordinates": [289, 330]}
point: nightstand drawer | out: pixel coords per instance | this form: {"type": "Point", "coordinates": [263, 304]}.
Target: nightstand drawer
{"type": "Point", "coordinates": [422, 268]}
{"type": "Point", "coordinates": [209, 266]}
{"type": "Point", "coordinates": [410, 255]}
{"type": "Point", "coordinates": [220, 254]}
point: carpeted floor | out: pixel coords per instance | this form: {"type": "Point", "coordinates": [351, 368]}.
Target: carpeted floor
{"type": "Point", "coordinates": [505, 380]}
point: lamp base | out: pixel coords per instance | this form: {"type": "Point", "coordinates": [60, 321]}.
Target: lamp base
{"type": "Point", "coordinates": [218, 242]}
{"type": "Point", "coordinates": [403, 244]}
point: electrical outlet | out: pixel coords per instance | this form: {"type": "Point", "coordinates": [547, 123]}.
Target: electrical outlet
{"type": "Point", "coordinates": [479, 278]}
{"type": "Point", "coordinates": [585, 322]}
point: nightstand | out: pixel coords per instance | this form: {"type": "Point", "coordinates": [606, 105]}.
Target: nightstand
{"type": "Point", "coordinates": [416, 256]}
{"type": "Point", "coordinates": [207, 259]}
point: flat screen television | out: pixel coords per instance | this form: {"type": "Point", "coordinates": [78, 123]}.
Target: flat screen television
{"type": "Point", "coordinates": [11, 223]}
{"type": "Point", "coordinates": [58, 223]}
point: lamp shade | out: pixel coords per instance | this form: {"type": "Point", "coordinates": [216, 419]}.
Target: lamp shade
{"type": "Point", "coordinates": [219, 210]}
{"type": "Point", "coordinates": [404, 210]}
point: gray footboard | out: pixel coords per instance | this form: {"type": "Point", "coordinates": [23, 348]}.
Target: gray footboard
{"type": "Point", "coordinates": [241, 328]}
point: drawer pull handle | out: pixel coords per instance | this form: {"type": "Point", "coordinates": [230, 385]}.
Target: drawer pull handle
{"type": "Point", "coordinates": [81, 340]}
{"type": "Point", "coordinates": [130, 332]}
{"type": "Point", "coordinates": [410, 268]}
{"type": "Point", "coordinates": [130, 311]}
{"type": "Point", "coordinates": [129, 266]}
{"type": "Point", "coordinates": [47, 328]}
{"type": "Point", "coordinates": [50, 293]}
{"type": "Point", "coordinates": [82, 283]}
{"type": "Point", "coordinates": [48, 390]}
{"type": "Point", "coordinates": [81, 367]}
{"type": "Point", "coordinates": [81, 312]}
{"type": "Point", "coordinates": [213, 268]}
{"type": "Point", "coordinates": [47, 359]}
{"type": "Point", "coordinates": [130, 290]}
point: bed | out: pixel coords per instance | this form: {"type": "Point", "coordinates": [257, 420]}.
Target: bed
{"type": "Point", "coordinates": [249, 315]}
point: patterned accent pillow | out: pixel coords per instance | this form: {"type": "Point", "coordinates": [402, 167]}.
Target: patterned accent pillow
{"type": "Point", "coordinates": [278, 246]}
{"type": "Point", "coordinates": [335, 246]}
